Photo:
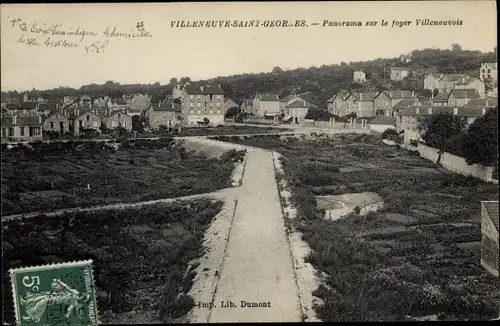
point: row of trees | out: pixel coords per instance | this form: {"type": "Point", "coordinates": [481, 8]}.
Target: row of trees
{"type": "Point", "coordinates": [317, 84]}
{"type": "Point", "coordinates": [478, 143]}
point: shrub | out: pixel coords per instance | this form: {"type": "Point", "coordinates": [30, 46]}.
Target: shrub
{"type": "Point", "coordinates": [387, 132]}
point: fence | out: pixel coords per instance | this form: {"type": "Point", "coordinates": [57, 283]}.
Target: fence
{"type": "Point", "coordinates": [456, 164]}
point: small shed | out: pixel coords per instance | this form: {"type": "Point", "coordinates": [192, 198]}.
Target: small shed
{"type": "Point", "coordinates": [490, 254]}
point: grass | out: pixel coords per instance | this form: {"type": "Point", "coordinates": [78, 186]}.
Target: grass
{"type": "Point", "coordinates": [76, 174]}
{"type": "Point", "coordinates": [387, 276]}
{"type": "Point", "coordinates": [140, 255]}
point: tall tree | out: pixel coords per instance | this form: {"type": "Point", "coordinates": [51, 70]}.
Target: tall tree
{"type": "Point", "coordinates": [481, 142]}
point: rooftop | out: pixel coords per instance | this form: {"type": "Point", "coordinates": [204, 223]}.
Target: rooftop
{"type": "Point", "coordinates": [21, 121]}
{"type": "Point", "coordinates": [203, 89]}
{"type": "Point", "coordinates": [383, 121]}
{"type": "Point", "coordinates": [465, 93]}
{"type": "Point", "coordinates": [267, 97]}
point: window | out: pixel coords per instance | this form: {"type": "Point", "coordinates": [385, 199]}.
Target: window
{"type": "Point", "coordinates": [489, 71]}
{"type": "Point", "coordinates": [198, 96]}
{"type": "Point", "coordinates": [96, 124]}
{"type": "Point", "coordinates": [191, 96]}
{"type": "Point", "coordinates": [22, 130]}
{"type": "Point", "coordinates": [218, 105]}
{"type": "Point", "coordinates": [80, 123]}
{"type": "Point", "coordinates": [218, 96]}
{"type": "Point", "coordinates": [125, 123]}
{"type": "Point", "coordinates": [211, 111]}
{"type": "Point", "coordinates": [191, 104]}
{"type": "Point", "coordinates": [61, 126]}
{"type": "Point", "coordinates": [199, 104]}
{"type": "Point", "coordinates": [51, 125]}
{"type": "Point", "coordinates": [4, 132]}
{"type": "Point", "coordinates": [36, 131]}
{"type": "Point", "coordinates": [11, 132]}
{"type": "Point", "coordinates": [88, 117]}
{"type": "Point", "coordinates": [191, 112]}
{"type": "Point", "coordinates": [114, 124]}
{"type": "Point", "coordinates": [199, 112]}
{"type": "Point", "coordinates": [218, 111]}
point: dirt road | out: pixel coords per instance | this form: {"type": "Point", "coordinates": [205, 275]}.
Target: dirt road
{"type": "Point", "coordinates": [257, 268]}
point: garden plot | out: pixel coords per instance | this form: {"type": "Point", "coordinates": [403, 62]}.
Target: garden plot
{"type": "Point", "coordinates": [90, 174]}
{"type": "Point", "coordinates": [141, 256]}
{"type": "Point", "coordinates": [341, 205]}
{"type": "Point", "coordinates": [427, 255]}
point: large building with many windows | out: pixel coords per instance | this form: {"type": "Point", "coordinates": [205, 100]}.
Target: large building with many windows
{"type": "Point", "coordinates": [202, 102]}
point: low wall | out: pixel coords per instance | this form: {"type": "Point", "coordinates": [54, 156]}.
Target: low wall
{"type": "Point", "coordinates": [456, 164]}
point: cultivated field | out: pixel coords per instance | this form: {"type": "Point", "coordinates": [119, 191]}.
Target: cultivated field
{"type": "Point", "coordinates": [418, 255]}
{"type": "Point", "coordinates": [141, 256]}
{"type": "Point", "coordinates": [46, 176]}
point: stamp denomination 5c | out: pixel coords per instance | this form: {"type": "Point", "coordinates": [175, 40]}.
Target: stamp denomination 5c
{"type": "Point", "coordinates": [56, 294]}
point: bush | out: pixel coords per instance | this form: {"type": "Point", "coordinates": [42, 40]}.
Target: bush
{"type": "Point", "coordinates": [387, 132]}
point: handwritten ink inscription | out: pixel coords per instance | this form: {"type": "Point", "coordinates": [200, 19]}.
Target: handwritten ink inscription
{"type": "Point", "coordinates": [59, 36]}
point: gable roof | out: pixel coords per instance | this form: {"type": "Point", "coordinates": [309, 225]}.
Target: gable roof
{"type": "Point", "coordinates": [21, 121]}
{"type": "Point", "coordinates": [364, 96]}
{"type": "Point", "coordinates": [299, 104]}
{"type": "Point", "coordinates": [403, 104]}
{"type": "Point", "coordinates": [442, 96]}
{"type": "Point", "coordinates": [492, 210]}
{"type": "Point", "coordinates": [399, 68]}
{"type": "Point", "coordinates": [423, 110]}
{"type": "Point", "coordinates": [53, 113]}
{"type": "Point", "coordinates": [21, 106]}
{"type": "Point", "coordinates": [247, 102]}
{"type": "Point", "coordinates": [267, 97]}
{"type": "Point", "coordinates": [492, 102]}
{"type": "Point", "coordinates": [289, 98]}
{"type": "Point", "coordinates": [468, 80]}
{"type": "Point", "coordinates": [470, 112]}
{"type": "Point", "coordinates": [465, 93]}
{"type": "Point", "coordinates": [451, 78]}
{"type": "Point", "coordinates": [203, 89]}
{"type": "Point", "coordinates": [168, 106]}
{"type": "Point", "coordinates": [378, 120]}
{"type": "Point", "coordinates": [119, 111]}
{"type": "Point", "coordinates": [81, 113]}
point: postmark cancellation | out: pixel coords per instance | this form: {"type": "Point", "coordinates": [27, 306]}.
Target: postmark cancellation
{"type": "Point", "coordinates": [55, 294]}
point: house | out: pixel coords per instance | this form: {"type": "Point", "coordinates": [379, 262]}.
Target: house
{"type": "Point", "coordinates": [119, 103]}
{"type": "Point", "coordinates": [359, 77]}
{"type": "Point", "coordinates": [381, 124]}
{"type": "Point", "coordinates": [288, 100]}
{"type": "Point", "coordinates": [489, 70]}
{"type": "Point", "coordinates": [84, 119]}
{"type": "Point", "coordinates": [229, 103]}
{"type": "Point", "coordinates": [441, 99]}
{"type": "Point", "coordinates": [21, 128]}
{"type": "Point", "coordinates": [460, 97]}
{"type": "Point", "coordinates": [135, 112]}
{"type": "Point", "coordinates": [337, 104]}
{"type": "Point", "coordinates": [266, 104]}
{"type": "Point", "coordinates": [408, 119]}
{"type": "Point", "coordinates": [56, 122]}
{"type": "Point", "coordinates": [246, 106]}
{"type": "Point", "coordinates": [490, 237]}
{"type": "Point", "coordinates": [167, 114]}
{"type": "Point", "coordinates": [296, 111]}
{"type": "Point", "coordinates": [470, 114]}
{"type": "Point", "coordinates": [385, 100]}
{"type": "Point", "coordinates": [139, 102]}
{"type": "Point", "coordinates": [431, 81]}
{"type": "Point", "coordinates": [447, 82]}
{"type": "Point", "coordinates": [363, 102]}
{"type": "Point", "coordinates": [399, 73]}
{"type": "Point", "coordinates": [202, 102]}
{"type": "Point", "coordinates": [23, 108]}
{"type": "Point", "coordinates": [118, 119]}
{"type": "Point", "coordinates": [472, 83]}
{"type": "Point", "coordinates": [404, 104]}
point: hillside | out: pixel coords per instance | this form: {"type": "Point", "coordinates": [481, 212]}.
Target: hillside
{"type": "Point", "coordinates": [316, 83]}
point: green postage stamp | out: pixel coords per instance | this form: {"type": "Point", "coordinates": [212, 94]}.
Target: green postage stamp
{"type": "Point", "coordinates": [56, 294]}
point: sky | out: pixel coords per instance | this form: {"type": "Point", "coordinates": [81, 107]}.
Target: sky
{"type": "Point", "coordinates": [206, 52]}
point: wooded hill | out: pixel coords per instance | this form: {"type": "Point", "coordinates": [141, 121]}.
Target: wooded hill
{"type": "Point", "coordinates": [317, 84]}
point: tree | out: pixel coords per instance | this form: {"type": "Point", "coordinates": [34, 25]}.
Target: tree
{"type": "Point", "coordinates": [480, 145]}
{"type": "Point", "coordinates": [455, 47]}
{"type": "Point", "coordinates": [232, 112]}
{"type": "Point", "coordinates": [173, 81]}
{"type": "Point", "coordinates": [277, 70]}
{"type": "Point", "coordinates": [206, 121]}
{"type": "Point", "coordinates": [137, 123]}
{"type": "Point", "coordinates": [184, 80]}
{"type": "Point", "coordinates": [380, 113]}
{"type": "Point", "coordinates": [436, 129]}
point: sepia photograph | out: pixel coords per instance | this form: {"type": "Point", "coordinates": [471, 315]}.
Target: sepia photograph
{"type": "Point", "coordinates": [219, 162]}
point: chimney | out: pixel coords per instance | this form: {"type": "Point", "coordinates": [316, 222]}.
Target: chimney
{"type": "Point", "coordinates": [463, 80]}
{"type": "Point", "coordinates": [360, 96]}
{"type": "Point", "coordinates": [39, 119]}
{"type": "Point", "coordinates": [487, 102]}
{"type": "Point", "coordinates": [14, 119]}
{"type": "Point", "coordinates": [455, 111]}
